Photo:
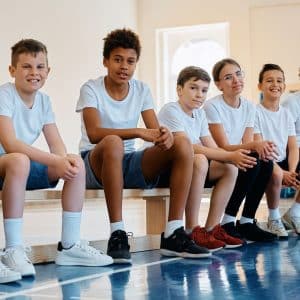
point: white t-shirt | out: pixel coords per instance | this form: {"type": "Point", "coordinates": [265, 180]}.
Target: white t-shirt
{"type": "Point", "coordinates": [28, 122]}
{"type": "Point", "coordinates": [234, 120]}
{"type": "Point", "coordinates": [292, 103]}
{"type": "Point", "coordinates": [175, 119]}
{"type": "Point", "coordinates": [275, 126]}
{"type": "Point", "coordinates": [113, 114]}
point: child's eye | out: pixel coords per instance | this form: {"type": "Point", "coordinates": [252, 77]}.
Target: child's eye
{"type": "Point", "coordinates": [131, 62]}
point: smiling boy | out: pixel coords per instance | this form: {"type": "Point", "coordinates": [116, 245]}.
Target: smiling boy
{"type": "Point", "coordinates": [25, 113]}
{"type": "Point", "coordinates": [110, 108]}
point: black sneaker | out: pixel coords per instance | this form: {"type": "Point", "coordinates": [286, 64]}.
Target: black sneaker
{"type": "Point", "coordinates": [231, 229]}
{"type": "Point", "coordinates": [118, 247]}
{"type": "Point", "coordinates": [180, 244]}
{"type": "Point", "coordinates": [252, 233]}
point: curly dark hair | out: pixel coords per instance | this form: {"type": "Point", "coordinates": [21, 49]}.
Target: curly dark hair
{"type": "Point", "coordinates": [123, 38]}
{"type": "Point", "coordinates": [27, 46]}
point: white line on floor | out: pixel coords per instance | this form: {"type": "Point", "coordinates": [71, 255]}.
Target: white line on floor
{"type": "Point", "coordinates": [59, 283]}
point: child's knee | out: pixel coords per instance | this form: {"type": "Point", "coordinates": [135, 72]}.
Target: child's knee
{"type": "Point", "coordinates": [18, 164]}
{"type": "Point", "coordinates": [183, 145]}
{"type": "Point", "coordinates": [200, 164]}
{"type": "Point", "coordinates": [231, 171]}
{"type": "Point", "coordinates": [112, 146]}
{"type": "Point", "coordinates": [277, 176]}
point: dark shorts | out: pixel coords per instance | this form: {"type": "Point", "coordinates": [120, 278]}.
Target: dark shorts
{"type": "Point", "coordinates": [38, 177]}
{"type": "Point", "coordinates": [132, 173]}
{"type": "Point", "coordinates": [284, 164]}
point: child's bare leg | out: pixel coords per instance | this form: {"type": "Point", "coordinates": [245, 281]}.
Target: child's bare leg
{"type": "Point", "coordinates": [106, 161]}
{"type": "Point", "coordinates": [274, 187]}
{"type": "Point", "coordinates": [226, 175]}
{"type": "Point", "coordinates": [192, 208]}
{"type": "Point", "coordinates": [180, 159]}
{"type": "Point", "coordinates": [14, 168]}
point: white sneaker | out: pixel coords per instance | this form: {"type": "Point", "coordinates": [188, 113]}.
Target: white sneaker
{"type": "Point", "coordinates": [81, 254]}
{"type": "Point", "coordinates": [7, 275]}
{"type": "Point", "coordinates": [276, 227]}
{"type": "Point", "coordinates": [291, 222]}
{"type": "Point", "coordinates": [16, 259]}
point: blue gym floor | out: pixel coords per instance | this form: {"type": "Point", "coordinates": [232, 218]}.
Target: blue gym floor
{"type": "Point", "coordinates": [255, 271]}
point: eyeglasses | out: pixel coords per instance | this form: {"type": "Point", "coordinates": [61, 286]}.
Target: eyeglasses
{"type": "Point", "coordinates": [238, 74]}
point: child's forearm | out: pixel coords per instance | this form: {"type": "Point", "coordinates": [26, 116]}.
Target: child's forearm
{"type": "Point", "coordinates": [98, 134]}
{"type": "Point", "coordinates": [33, 153]}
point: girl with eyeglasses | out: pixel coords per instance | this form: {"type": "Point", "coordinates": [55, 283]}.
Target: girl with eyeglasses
{"type": "Point", "coordinates": [231, 122]}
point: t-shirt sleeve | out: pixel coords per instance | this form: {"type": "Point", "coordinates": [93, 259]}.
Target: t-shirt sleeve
{"type": "Point", "coordinates": [87, 98]}
{"type": "Point", "coordinates": [204, 125]}
{"type": "Point", "coordinates": [257, 124]}
{"type": "Point", "coordinates": [6, 104]}
{"type": "Point", "coordinates": [148, 102]}
{"type": "Point", "coordinates": [168, 117]}
{"type": "Point", "coordinates": [291, 124]}
{"type": "Point", "coordinates": [48, 113]}
{"type": "Point", "coordinates": [251, 115]}
{"type": "Point", "coordinates": [212, 113]}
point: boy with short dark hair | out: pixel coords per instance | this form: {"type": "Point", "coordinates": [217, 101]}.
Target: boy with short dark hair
{"type": "Point", "coordinates": [274, 122]}
{"type": "Point", "coordinates": [213, 167]}
{"type": "Point", "coordinates": [110, 107]}
{"type": "Point", "coordinates": [25, 113]}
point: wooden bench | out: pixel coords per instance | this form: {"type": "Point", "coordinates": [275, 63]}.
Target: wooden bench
{"type": "Point", "coordinates": [157, 204]}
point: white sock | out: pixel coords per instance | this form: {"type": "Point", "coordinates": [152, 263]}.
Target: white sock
{"type": "Point", "coordinates": [171, 226]}
{"type": "Point", "coordinates": [244, 220]}
{"type": "Point", "coordinates": [117, 226]}
{"type": "Point", "coordinates": [295, 209]}
{"type": "Point", "coordinates": [13, 232]}
{"type": "Point", "coordinates": [188, 231]}
{"type": "Point", "coordinates": [70, 228]}
{"type": "Point", "coordinates": [227, 219]}
{"type": "Point", "coordinates": [274, 214]}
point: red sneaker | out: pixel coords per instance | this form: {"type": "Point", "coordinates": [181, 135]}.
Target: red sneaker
{"type": "Point", "coordinates": [230, 242]}
{"type": "Point", "coordinates": [205, 239]}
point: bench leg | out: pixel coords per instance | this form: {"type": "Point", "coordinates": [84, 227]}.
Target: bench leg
{"type": "Point", "coordinates": [156, 214]}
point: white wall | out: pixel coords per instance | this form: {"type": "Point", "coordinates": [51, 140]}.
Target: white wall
{"type": "Point", "coordinates": [157, 14]}
{"type": "Point", "coordinates": [73, 31]}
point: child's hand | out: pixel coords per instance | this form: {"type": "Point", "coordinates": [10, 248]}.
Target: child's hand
{"type": "Point", "coordinates": [266, 150]}
{"type": "Point", "coordinates": [290, 179]}
{"type": "Point", "coordinates": [242, 160]}
{"type": "Point", "coordinates": [165, 140]}
{"type": "Point", "coordinates": [66, 167]}
{"type": "Point", "coordinates": [149, 135]}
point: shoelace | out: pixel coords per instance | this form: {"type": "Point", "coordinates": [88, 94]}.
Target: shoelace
{"type": "Point", "coordinates": [23, 249]}
{"type": "Point", "coordinates": [277, 224]}
{"type": "Point", "coordinates": [4, 269]}
{"type": "Point", "coordinates": [85, 245]}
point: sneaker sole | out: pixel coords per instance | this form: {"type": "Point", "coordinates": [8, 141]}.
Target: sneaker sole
{"type": "Point", "coordinates": [64, 261]}
{"type": "Point", "coordinates": [289, 226]}
{"type": "Point", "coordinates": [11, 278]}
{"type": "Point", "coordinates": [122, 261]}
{"type": "Point", "coordinates": [233, 246]}
{"type": "Point", "coordinates": [215, 249]}
{"type": "Point", "coordinates": [166, 252]}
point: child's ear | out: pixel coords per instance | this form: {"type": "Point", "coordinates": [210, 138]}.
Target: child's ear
{"type": "Point", "coordinates": [179, 90]}
{"type": "Point", "coordinates": [259, 85]}
{"type": "Point", "coordinates": [104, 62]}
{"type": "Point", "coordinates": [217, 83]}
{"type": "Point", "coordinates": [11, 70]}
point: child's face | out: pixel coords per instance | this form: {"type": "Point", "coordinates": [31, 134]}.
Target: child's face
{"type": "Point", "coordinates": [121, 65]}
{"type": "Point", "coordinates": [272, 85]}
{"type": "Point", "coordinates": [30, 73]}
{"type": "Point", "coordinates": [231, 80]}
{"type": "Point", "coordinates": [192, 94]}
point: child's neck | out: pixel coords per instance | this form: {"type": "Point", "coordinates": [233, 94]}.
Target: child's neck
{"type": "Point", "coordinates": [188, 111]}
{"type": "Point", "coordinates": [270, 104]}
{"type": "Point", "coordinates": [116, 91]}
{"type": "Point", "coordinates": [233, 101]}
{"type": "Point", "coordinates": [27, 98]}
